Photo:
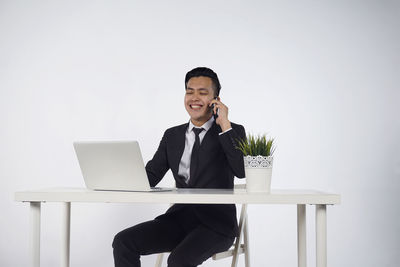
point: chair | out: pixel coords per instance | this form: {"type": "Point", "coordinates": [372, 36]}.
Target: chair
{"type": "Point", "coordinates": [237, 248]}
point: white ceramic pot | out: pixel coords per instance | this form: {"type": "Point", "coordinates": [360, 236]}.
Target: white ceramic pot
{"type": "Point", "coordinates": [258, 171]}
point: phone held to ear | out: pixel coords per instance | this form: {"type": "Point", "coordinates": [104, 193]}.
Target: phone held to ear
{"type": "Point", "coordinates": [212, 108]}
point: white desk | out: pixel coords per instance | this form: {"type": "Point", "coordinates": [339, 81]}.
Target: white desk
{"type": "Point", "coordinates": [203, 196]}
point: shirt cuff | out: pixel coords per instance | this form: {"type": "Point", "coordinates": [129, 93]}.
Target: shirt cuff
{"type": "Point", "coordinates": [225, 131]}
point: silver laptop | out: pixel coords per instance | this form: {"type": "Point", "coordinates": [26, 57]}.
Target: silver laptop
{"type": "Point", "coordinates": [113, 165]}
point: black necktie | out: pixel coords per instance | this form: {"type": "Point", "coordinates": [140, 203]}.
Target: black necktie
{"type": "Point", "coordinates": [194, 159]}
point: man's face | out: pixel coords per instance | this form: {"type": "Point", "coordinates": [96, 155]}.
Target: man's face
{"type": "Point", "coordinates": [199, 93]}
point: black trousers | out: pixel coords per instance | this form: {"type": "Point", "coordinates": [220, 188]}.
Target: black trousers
{"type": "Point", "coordinates": [189, 241]}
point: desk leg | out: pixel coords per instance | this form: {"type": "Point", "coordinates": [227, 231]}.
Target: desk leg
{"type": "Point", "coordinates": [320, 225]}
{"type": "Point", "coordinates": [65, 238]}
{"type": "Point", "coordinates": [35, 233]}
{"type": "Point", "coordinates": [301, 236]}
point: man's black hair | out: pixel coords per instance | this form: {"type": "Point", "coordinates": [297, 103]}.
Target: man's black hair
{"type": "Point", "coordinates": [206, 72]}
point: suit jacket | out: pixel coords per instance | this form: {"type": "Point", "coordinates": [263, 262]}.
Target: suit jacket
{"type": "Point", "coordinates": [219, 162]}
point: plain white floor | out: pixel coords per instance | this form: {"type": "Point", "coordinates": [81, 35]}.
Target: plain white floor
{"type": "Point", "coordinates": [322, 77]}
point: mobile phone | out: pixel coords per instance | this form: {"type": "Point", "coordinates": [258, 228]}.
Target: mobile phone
{"type": "Point", "coordinates": [212, 108]}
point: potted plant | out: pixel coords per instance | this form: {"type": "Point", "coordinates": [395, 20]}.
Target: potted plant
{"type": "Point", "coordinates": [258, 158]}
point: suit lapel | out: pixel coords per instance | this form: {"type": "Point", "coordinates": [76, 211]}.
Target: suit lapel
{"type": "Point", "coordinates": [209, 140]}
{"type": "Point", "coordinates": [179, 146]}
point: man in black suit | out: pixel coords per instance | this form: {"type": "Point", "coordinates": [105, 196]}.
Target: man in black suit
{"type": "Point", "coordinates": [200, 154]}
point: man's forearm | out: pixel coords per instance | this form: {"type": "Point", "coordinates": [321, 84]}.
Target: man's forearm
{"type": "Point", "coordinates": [225, 125]}
{"type": "Point", "coordinates": [233, 154]}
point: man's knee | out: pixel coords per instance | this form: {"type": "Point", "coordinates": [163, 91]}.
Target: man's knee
{"type": "Point", "coordinates": [174, 261]}
{"type": "Point", "coordinates": [178, 260]}
{"type": "Point", "coordinates": [118, 241]}
{"type": "Point", "coordinates": [125, 251]}
{"type": "Point", "coordinates": [123, 242]}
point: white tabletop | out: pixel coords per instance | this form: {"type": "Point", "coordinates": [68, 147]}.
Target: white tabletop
{"type": "Point", "coordinates": [204, 196]}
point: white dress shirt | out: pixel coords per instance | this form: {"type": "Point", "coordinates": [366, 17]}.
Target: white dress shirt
{"type": "Point", "coordinates": [184, 165]}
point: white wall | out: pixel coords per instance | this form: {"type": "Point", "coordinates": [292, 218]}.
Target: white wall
{"type": "Point", "coordinates": [320, 76]}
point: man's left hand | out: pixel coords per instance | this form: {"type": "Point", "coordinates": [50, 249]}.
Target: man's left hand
{"type": "Point", "coordinates": [222, 119]}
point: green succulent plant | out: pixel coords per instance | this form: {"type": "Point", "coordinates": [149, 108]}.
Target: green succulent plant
{"type": "Point", "coordinates": [256, 145]}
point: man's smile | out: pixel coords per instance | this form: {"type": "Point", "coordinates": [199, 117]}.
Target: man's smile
{"type": "Point", "coordinates": [196, 106]}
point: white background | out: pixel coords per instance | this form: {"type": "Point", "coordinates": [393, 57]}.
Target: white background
{"type": "Point", "coordinates": [322, 77]}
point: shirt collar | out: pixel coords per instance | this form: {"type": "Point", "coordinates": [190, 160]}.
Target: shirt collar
{"type": "Point", "coordinates": [206, 126]}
